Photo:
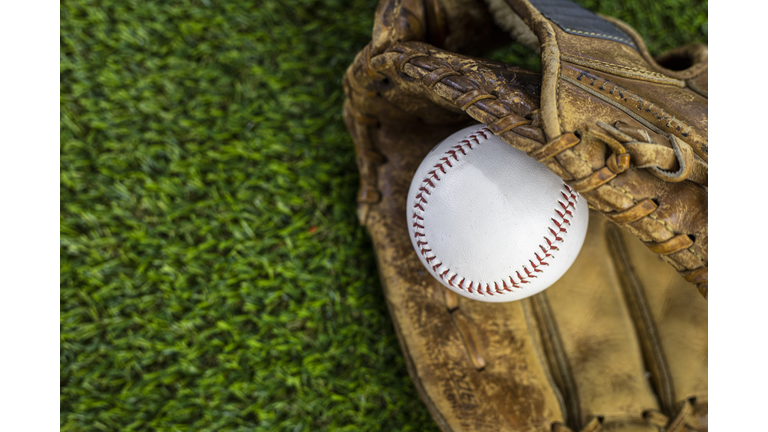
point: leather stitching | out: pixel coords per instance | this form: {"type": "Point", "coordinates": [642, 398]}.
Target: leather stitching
{"type": "Point", "coordinates": [587, 61]}
{"type": "Point", "coordinates": [535, 265]}
{"type": "Point", "coordinates": [620, 39]}
{"type": "Point", "coordinates": [587, 33]}
{"type": "Point", "coordinates": [617, 95]}
{"type": "Point", "coordinates": [638, 70]}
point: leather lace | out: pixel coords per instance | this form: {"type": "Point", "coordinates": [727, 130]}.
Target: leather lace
{"type": "Point", "coordinates": [654, 157]}
{"type": "Point", "coordinates": [594, 425]}
{"type": "Point", "coordinates": [678, 423]}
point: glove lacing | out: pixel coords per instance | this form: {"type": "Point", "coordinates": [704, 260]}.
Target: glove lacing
{"type": "Point", "coordinates": [679, 423]}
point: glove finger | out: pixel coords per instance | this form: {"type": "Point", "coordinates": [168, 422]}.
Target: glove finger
{"type": "Point", "coordinates": [671, 323]}
{"type": "Point", "coordinates": [591, 343]}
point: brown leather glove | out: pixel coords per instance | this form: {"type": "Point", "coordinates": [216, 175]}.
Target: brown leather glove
{"type": "Point", "coordinates": [620, 342]}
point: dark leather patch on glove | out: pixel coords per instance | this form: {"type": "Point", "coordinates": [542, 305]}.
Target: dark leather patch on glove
{"type": "Point", "coordinates": [576, 20]}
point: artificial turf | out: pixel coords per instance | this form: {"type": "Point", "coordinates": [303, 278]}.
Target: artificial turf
{"type": "Point", "coordinates": [213, 274]}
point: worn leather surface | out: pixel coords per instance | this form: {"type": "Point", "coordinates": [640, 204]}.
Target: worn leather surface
{"type": "Point", "coordinates": [620, 342]}
{"type": "Point", "coordinates": [593, 87]}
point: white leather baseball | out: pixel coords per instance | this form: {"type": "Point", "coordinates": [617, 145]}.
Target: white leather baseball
{"type": "Point", "coordinates": [491, 223]}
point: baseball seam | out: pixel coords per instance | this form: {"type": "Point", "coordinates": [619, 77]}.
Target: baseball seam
{"type": "Point", "coordinates": [563, 216]}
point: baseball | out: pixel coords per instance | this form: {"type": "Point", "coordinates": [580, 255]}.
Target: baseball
{"type": "Point", "coordinates": [491, 223]}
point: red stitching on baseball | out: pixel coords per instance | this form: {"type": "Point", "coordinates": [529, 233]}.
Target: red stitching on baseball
{"type": "Point", "coordinates": [565, 208]}
{"type": "Point", "coordinates": [558, 225]}
{"type": "Point", "coordinates": [551, 246]}
{"type": "Point", "coordinates": [571, 198]}
{"type": "Point", "coordinates": [536, 269]}
{"type": "Point", "coordinates": [522, 278]}
{"type": "Point", "coordinates": [555, 234]}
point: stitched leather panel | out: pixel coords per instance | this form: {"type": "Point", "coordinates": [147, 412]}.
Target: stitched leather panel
{"type": "Point", "coordinates": [576, 20]}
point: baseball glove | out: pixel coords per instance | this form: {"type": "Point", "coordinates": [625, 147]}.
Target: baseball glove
{"type": "Point", "coordinates": [619, 343]}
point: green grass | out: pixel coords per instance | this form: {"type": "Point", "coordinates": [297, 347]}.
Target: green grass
{"type": "Point", "coordinates": [213, 275]}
